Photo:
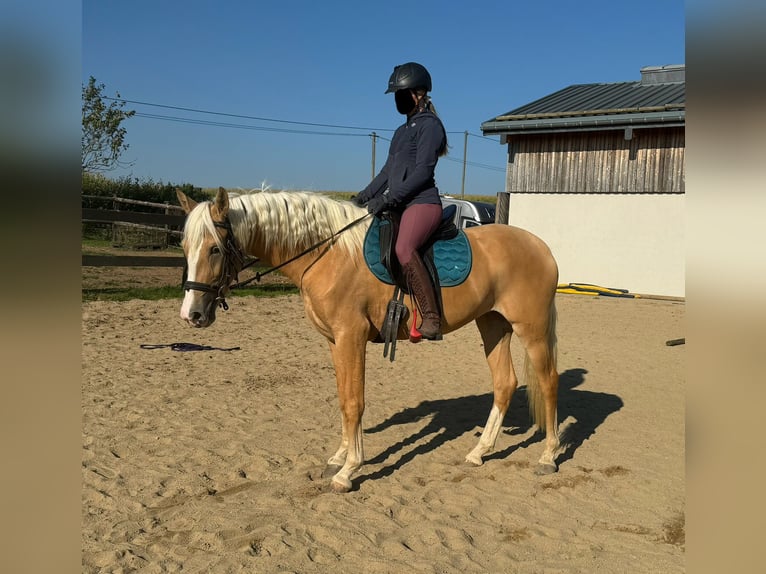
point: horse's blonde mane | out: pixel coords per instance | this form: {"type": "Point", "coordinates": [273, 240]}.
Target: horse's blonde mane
{"type": "Point", "coordinates": [284, 221]}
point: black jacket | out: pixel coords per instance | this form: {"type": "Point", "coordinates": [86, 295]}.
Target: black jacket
{"type": "Point", "coordinates": [409, 170]}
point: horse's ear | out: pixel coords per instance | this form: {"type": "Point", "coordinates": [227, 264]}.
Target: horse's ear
{"type": "Point", "coordinates": [221, 202]}
{"type": "Point", "coordinates": [187, 203]}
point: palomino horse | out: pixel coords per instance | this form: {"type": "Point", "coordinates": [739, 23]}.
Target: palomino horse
{"type": "Point", "coordinates": [511, 288]}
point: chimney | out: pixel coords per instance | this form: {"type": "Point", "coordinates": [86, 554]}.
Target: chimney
{"type": "Point", "coordinates": [663, 74]}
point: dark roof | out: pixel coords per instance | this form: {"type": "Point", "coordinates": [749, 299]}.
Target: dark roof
{"type": "Point", "coordinates": [658, 99]}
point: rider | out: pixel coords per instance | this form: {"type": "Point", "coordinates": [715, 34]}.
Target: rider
{"type": "Point", "coordinates": [406, 184]}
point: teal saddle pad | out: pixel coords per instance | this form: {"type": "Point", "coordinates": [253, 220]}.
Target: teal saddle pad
{"type": "Point", "coordinates": [452, 257]}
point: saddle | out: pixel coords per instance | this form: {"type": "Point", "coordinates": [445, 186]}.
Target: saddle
{"type": "Point", "coordinates": [446, 256]}
{"type": "Point", "coordinates": [447, 253]}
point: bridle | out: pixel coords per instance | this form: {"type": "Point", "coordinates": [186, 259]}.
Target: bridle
{"type": "Point", "coordinates": [234, 261]}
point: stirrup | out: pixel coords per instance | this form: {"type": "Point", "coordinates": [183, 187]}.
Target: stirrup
{"type": "Point", "coordinates": [394, 313]}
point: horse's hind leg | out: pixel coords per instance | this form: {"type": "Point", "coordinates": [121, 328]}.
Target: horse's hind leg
{"type": "Point", "coordinates": [542, 384]}
{"type": "Point", "coordinates": [496, 334]}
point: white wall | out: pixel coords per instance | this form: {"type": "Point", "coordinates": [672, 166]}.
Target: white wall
{"type": "Point", "coordinates": [633, 242]}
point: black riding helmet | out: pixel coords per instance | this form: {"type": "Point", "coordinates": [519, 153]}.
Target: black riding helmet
{"type": "Point", "coordinates": [409, 76]}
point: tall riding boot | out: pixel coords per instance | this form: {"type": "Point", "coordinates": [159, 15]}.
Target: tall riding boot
{"type": "Point", "coordinates": [423, 290]}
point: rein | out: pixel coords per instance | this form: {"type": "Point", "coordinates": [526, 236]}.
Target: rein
{"type": "Point", "coordinates": [258, 275]}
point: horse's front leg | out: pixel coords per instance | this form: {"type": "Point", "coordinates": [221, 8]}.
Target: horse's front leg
{"type": "Point", "coordinates": [348, 355]}
{"type": "Point", "coordinates": [336, 461]}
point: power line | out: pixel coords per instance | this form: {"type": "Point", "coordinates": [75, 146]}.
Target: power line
{"type": "Point", "coordinates": [240, 126]}
{"type": "Point", "coordinates": [474, 164]}
{"type": "Point", "coordinates": [471, 163]}
{"type": "Point", "coordinates": [481, 137]}
{"type": "Point", "coordinates": [246, 117]}
{"type": "Point", "coordinates": [276, 120]}
{"type": "Point", "coordinates": [212, 123]}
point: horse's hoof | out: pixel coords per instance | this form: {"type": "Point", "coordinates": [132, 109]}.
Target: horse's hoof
{"type": "Point", "coordinates": [545, 468]}
{"type": "Point", "coordinates": [474, 461]}
{"type": "Point", "coordinates": [331, 470]}
{"type": "Point", "coordinates": [340, 487]}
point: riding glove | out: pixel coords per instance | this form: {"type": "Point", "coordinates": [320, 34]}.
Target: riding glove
{"type": "Point", "coordinates": [378, 204]}
{"type": "Point", "coordinates": [358, 200]}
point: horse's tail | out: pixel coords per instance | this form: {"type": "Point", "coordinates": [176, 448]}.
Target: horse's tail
{"type": "Point", "coordinates": [534, 392]}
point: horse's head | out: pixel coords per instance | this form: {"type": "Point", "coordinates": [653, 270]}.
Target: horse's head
{"type": "Point", "coordinates": [213, 258]}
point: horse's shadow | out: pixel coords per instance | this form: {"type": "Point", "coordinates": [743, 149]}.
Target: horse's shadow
{"type": "Point", "coordinates": [451, 418]}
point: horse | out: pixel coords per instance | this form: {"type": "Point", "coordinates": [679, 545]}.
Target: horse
{"type": "Point", "coordinates": [510, 289]}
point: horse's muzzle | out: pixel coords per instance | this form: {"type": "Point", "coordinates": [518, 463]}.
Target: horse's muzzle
{"type": "Point", "coordinates": [199, 320]}
{"type": "Point", "coordinates": [198, 310]}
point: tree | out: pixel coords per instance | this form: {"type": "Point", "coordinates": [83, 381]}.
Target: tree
{"type": "Point", "coordinates": [103, 136]}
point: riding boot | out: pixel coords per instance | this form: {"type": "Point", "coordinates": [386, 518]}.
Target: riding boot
{"type": "Point", "coordinates": [422, 288]}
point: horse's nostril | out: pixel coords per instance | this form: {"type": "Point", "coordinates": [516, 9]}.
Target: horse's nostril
{"type": "Point", "coordinates": [195, 316]}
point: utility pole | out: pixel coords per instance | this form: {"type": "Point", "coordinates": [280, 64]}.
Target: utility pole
{"type": "Point", "coordinates": [465, 157]}
{"type": "Point", "coordinates": [374, 137]}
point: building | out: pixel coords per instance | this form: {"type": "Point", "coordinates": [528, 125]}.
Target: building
{"type": "Point", "coordinates": [597, 171]}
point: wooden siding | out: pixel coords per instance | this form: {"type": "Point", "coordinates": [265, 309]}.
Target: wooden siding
{"type": "Point", "coordinates": [597, 162]}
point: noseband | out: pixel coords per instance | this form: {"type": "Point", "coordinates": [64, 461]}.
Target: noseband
{"type": "Point", "coordinates": [233, 263]}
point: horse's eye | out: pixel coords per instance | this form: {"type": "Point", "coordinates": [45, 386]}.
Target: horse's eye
{"type": "Point", "coordinates": [215, 250]}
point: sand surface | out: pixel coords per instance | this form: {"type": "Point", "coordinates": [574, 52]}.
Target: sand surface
{"type": "Point", "coordinates": [210, 461]}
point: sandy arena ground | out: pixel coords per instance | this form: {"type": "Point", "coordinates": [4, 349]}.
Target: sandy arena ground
{"type": "Point", "coordinates": [210, 461]}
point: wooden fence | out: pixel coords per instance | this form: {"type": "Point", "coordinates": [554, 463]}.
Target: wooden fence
{"type": "Point", "coordinates": [163, 223]}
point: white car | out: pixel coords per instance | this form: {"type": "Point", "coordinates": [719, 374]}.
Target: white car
{"type": "Point", "coordinates": [470, 213]}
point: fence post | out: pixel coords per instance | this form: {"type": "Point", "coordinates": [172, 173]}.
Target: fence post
{"type": "Point", "coordinates": [465, 159]}
{"type": "Point", "coordinates": [115, 206]}
{"type": "Point", "coordinates": [503, 209]}
{"type": "Point", "coordinates": [167, 235]}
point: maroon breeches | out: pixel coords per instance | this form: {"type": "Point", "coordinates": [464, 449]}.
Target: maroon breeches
{"type": "Point", "coordinates": [417, 224]}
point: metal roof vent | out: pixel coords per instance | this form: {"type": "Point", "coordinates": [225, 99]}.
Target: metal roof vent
{"type": "Point", "coordinates": [663, 74]}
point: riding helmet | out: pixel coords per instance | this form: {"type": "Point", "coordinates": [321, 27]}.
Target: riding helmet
{"type": "Point", "coordinates": [409, 76]}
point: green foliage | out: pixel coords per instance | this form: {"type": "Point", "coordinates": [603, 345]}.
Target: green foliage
{"type": "Point", "coordinates": [103, 188]}
{"type": "Point", "coordinates": [339, 195]}
{"type": "Point", "coordinates": [103, 136]}
{"type": "Point", "coordinates": [133, 188]}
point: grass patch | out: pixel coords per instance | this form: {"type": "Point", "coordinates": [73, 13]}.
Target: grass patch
{"type": "Point", "coordinates": [168, 292]}
{"type": "Point", "coordinates": [128, 293]}
{"type": "Point", "coordinates": [97, 245]}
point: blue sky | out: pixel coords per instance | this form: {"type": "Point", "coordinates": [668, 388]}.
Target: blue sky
{"type": "Point", "coordinates": [329, 62]}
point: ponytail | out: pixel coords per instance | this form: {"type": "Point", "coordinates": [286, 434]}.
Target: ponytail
{"type": "Point", "coordinates": [428, 105]}
{"type": "Point", "coordinates": [425, 104]}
